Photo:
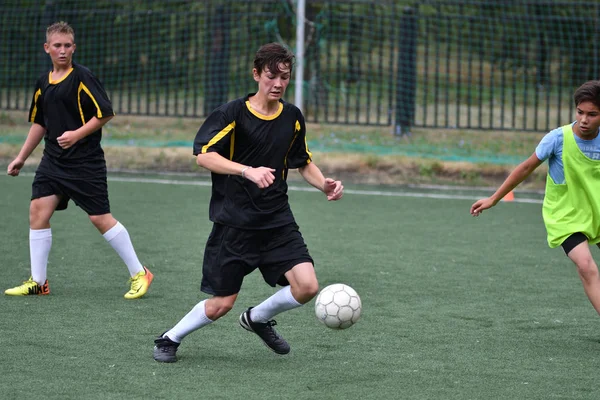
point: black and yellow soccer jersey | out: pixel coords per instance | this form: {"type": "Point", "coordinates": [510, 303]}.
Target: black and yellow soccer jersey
{"type": "Point", "coordinates": [66, 105]}
{"type": "Point", "coordinates": [239, 133]}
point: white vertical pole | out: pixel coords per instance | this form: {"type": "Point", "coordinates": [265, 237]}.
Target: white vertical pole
{"type": "Point", "coordinates": [300, 16]}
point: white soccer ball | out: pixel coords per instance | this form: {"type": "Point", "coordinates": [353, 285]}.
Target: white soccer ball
{"type": "Point", "coordinates": [338, 306]}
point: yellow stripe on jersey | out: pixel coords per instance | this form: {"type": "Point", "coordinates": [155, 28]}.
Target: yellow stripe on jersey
{"type": "Point", "coordinates": [305, 143]}
{"type": "Point", "coordinates": [297, 128]}
{"type": "Point", "coordinates": [285, 167]}
{"type": "Point", "coordinates": [307, 151]}
{"type": "Point", "coordinates": [218, 137]}
{"type": "Point", "coordinates": [87, 91]}
{"type": "Point", "coordinates": [79, 103]}
{"type": "Point", "coordinates": [35, 99]}
{"type": "Point", "coordinates": [231, 145]}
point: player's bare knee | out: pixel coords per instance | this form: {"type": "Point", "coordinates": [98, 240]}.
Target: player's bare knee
{"type": "Point", "coordinates": [217, 308]}
{"type": "Point", "coordinates": [103, 222]}
{"type": "Point", "coordinates": [39, 217]}
{"type": "Point", "coordinates": [34, 216]}
{"type": "Point", "coordinates": [312, 289]}
{"type": "Point", "coordinates": [587, 268]}
{"type": "Point", "coordinates": [215, 313]}
{"type": "Point", "coordinates": [303, 292]}
{"type": "Point", "coordinates": [97, 221]}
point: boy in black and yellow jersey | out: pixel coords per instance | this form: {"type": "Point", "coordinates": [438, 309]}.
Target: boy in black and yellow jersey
{"type": "Point", "coordinates": [68, 110]}
{"type": "Point", "coordinates": [249, 145]}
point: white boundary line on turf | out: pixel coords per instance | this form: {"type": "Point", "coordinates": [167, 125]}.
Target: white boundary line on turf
{"type": "Point", "coordinates": [390, 193]}
{"type": "Point", "coordinates": [311, 189]}
{"type": "Point", "coordinates": [471, 188]}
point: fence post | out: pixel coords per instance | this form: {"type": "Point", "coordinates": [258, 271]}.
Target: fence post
{"type": "Point", "coordinates": [407, 72]}
{"type": "Point", "coordinates": [216, 56]}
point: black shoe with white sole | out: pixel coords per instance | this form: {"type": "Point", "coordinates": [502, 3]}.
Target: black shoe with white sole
{"type": "Point", "coordinates": [165, 350]}
{"type": "Point", "coordinates": [266, 332]}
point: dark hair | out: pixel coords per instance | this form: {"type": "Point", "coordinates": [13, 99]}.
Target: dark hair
{"type": "Point", "coordinates": [589, 91]}
{"type": "Point", "coordinates": [269, 56]}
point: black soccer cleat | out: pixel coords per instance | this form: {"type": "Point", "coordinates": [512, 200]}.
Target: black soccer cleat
{"type": "Point", "coordinates": [265, 331]}
{"type": "Point", "coordinates": [165, 350]}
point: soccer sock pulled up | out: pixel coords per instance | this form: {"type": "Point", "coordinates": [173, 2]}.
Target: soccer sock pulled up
{"type": "Point", "coordinates": [40, 242]}
{"type": "Point", "coordinates": [281, 301]}
{"type": "Point", "coordinates": [192, 321]}
{"type": "Point", "coordinates": [119, 239]}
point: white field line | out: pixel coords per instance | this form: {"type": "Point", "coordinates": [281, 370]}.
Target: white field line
{"type": "Point", "coordinates": [346, 191]}
{"type": "Point", "coordinates": [490, 189]}
{"type": "Point", "coordinates": [390, 193]}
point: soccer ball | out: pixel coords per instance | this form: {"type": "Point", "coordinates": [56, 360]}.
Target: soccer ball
{"type": "Point", "coordinates": [338, 306]}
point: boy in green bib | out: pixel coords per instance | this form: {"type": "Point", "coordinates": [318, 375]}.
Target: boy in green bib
{"type": "Point", "coordinates": [571, 208]}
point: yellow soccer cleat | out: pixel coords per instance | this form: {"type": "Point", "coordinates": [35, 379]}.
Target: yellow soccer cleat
{"type": "Point", "coordinates": [139, 284]}
{"type": "Point", "coordinates": [29, 287]}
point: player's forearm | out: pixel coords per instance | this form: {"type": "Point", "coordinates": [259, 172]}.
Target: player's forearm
{"type": "Point", "coordinates": [313, 175]}
{"type": "Point", "coordinates": [93, 125]}
{"type": "Point", "coordinates": [218, 164]}
{"type": "Point", "coordinates": [513, 180]}
{"type": "Point", "coordinates": [34, 137]}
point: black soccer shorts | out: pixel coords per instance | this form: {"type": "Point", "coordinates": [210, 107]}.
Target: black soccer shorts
{"type": "Point", "coordinates": [573, 241]}
{"type": "Point", "coordinates": [232, 253]}
{"type": "Point", "coordinates": [90, 194]}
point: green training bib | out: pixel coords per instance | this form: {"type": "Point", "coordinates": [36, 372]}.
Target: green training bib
{"type": "Point", "coordinates": [575, 205]}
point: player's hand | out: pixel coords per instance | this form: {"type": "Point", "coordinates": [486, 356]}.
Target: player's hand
{"type": "Point", "coordinates": [480, 205]}
{"type": "Point", "coordinates": [334, 190]}
{"type": "Point", "coordinates": [262, 176]}
{"type": "Point", "coordinates": [15, 167]}
{"type": "Point", "coordinates": [67, 139]}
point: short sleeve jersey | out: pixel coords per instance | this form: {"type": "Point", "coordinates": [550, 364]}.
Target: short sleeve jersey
{"type": "Point", "coordinates": [551, 147]}
{"type": "Point", "coordinates": [241, 134]}
{"type": "Point", "coordinates": [66, 105]}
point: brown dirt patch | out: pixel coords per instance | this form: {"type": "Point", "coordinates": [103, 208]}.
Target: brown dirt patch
{"type": "Point", "coordinates": [352, 167]}
{"type": "Point", "coordinates": [355, 168]}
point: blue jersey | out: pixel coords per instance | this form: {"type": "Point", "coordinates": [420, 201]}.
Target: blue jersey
{"type": "Point", "coordinates": [551, 146]}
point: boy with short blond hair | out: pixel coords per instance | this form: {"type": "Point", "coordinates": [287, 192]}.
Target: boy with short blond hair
{"type": "Point", "coordinates": [68, 110]}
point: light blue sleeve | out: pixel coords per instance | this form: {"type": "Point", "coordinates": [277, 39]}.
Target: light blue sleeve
{"type": "Point", "coordinates": [550, 148]}
{"type": "Point", "coordinates": [550, 145]}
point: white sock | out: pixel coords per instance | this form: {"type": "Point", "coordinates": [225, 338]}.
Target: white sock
{"type": "Point", "coordinates": [40, 242]}
{"type": "Point", "coordinates": [281, 301]}
{"type": "Point", "coordinates": [193, 320]}
{"type": "Point", "coordinates": [119, 239]}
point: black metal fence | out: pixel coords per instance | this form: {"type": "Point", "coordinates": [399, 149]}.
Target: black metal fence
{"type": "Point", "coordinates": [459, 64]}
